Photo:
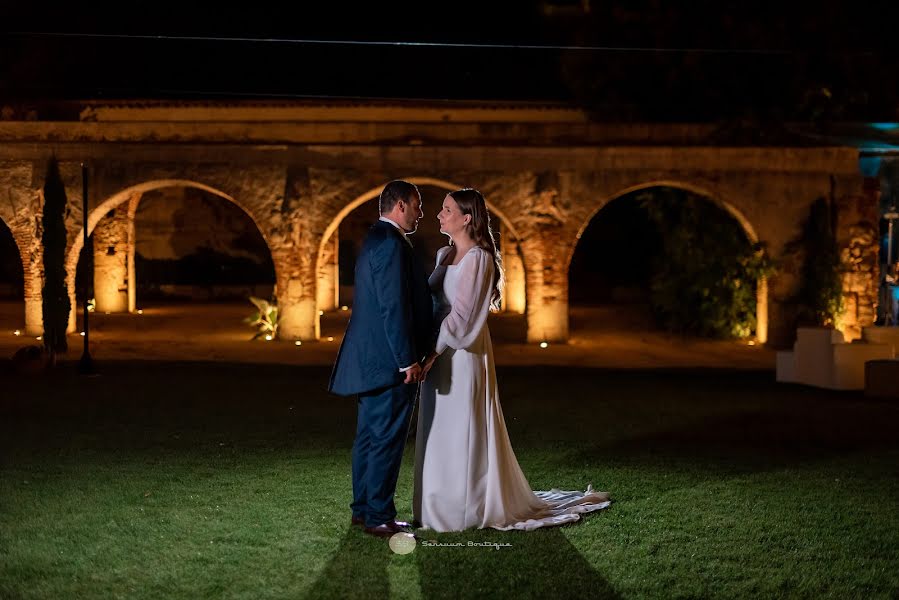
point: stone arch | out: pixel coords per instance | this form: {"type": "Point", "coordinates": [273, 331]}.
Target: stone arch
{"type": "Point", "coordinates": [716, 199]}
{"type": "Point", "coordinates": [30, 257]}
{"type": "Point", "coordinates": [131, 195]}
{"type": "Point", "coordinates": [374, 192]}
{"type": "Point", "coordinates": [19, 253]}
{"type": "Point", "coordinates": [678, 184]}
{"type": "Point", "coordinates": [345, 210]}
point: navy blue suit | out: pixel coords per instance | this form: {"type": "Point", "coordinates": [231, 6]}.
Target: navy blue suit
{"type": "Point", "coordinates": [390, 329]}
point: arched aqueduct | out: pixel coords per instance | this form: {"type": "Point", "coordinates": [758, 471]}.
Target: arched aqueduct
{"type": "Point", "coordinates": [298, 170]}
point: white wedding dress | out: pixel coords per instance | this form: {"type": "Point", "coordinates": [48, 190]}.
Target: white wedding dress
{"type": "Point", "coordinates": [466, 473]}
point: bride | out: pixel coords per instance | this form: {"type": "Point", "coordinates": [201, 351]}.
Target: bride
{"type": "Point", "coordinates": [466, 473]}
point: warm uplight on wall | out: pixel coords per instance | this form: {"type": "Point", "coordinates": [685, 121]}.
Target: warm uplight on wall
{"type": "Point", "coordinates": [344, 307]}
{"type": "Point", "coordinates": [17, 333]}
{"type": "Point", "coordinates": [298, 343]}
{"type": "Point", "coordinates": [82, 334]}
{"type": "Point", "coordinates": [321, 312]}
{"type": "Point", "coordinates": [140, 311]}
{"type": "Point", "coordinates": [543, 344]}
{"type": "Point", "coordinates": [751, 342]}
{"type": "Point", "coordinates": [330, 338]}
{"type": "Point", "coordinates": [39, 338]}
{"type": "Point", "coordinates": [268, 338]}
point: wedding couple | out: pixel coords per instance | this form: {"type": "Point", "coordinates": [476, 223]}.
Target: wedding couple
{"type": "Point", "coordinates": [410, 333]}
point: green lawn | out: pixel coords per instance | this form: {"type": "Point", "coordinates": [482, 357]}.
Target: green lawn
{"type": "Point", "coordinates": [177, 480]}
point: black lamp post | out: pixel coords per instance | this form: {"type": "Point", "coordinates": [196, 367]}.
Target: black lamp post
{"type": "Point", "coordinates": [86, 364]}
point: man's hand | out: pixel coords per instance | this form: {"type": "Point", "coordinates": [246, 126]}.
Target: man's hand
{"type": "Point", "coordinates": [429, 362]}
{"type": "Point", "coordinates": [413, 374]}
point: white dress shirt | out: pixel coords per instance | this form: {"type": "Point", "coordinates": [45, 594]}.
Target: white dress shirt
{"type": "Point", "coordinates": [398, 228]}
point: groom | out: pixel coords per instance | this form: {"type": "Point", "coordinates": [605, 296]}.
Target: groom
{"type": "Point", "coordinates": [379, 360]}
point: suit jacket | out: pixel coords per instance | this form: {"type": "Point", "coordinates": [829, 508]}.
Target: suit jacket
{"type": "Point", "coordinates": [391, 325]}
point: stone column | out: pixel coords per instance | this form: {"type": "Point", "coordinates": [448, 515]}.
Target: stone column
{"type": "Point", "coordinates": [328, 287]}
{"type": "Point", "coordinates": [858, 239]}
{"type": "Point", "coordinates": [111, 241]}
{"type": "Point", "coordinates": [132, 248]}
{"type": "Point", "coordinates": [546, 278]}
{"type": "Point", "coordinates": [33, 271]}
{"type": "Point", "coordinates": [514, 299]}
{"type": "Point", "coordinates": [761, 311]}
{"type": "Point", "coordinates": [295, 292]}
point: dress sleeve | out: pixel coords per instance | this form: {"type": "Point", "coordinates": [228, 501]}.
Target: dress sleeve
{"type": "Point", "coordinates": [471, 302]}
{"type": "Point", "coordinates": [441, 253]}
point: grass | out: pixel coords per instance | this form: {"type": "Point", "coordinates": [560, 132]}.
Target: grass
{"type": "Point", "coordinates": [179, 480]}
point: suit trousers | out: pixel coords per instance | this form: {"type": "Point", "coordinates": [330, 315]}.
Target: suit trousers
{"type": "Point", "coordinates": [382, 424]}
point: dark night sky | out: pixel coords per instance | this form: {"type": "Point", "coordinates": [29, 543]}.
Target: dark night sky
{"type": "Point", "coordinates": [758, 59]}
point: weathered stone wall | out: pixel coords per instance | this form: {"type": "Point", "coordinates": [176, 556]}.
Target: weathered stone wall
{"type": "Point", "coordinates": [544, 180]}
{"type": "Point", "coordinates": [328, 284]}
{"type": "Point", "coordinates": [857, 237]}
{"type": "Point", "coordinates": [112, 246]}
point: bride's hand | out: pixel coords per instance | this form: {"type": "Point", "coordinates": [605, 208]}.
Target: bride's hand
{"type": "Point", "coordinates": [428, 363]}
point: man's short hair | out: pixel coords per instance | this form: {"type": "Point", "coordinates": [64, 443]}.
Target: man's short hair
{"type": "Point", "coordinates": [394, 192]}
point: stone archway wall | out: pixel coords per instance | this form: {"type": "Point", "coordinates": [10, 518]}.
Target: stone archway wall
{"type": "Point", "coordinates": [698, 188]}
{"type": "Point", "coordinates": [332, 196]}
{"type": "Point", "coordinates": [551, 209]}
{"type": "Point", "coordinates": [294, 169]}
{"type": "Point", "coordinates": [257, 191]}
{"type": "Point", "coordinates": [21, 208]}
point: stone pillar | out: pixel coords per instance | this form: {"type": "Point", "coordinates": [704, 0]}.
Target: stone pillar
{"type": "Point", "coordinates": [132, 248]}
{"type": "Point", "coordinates": [514, 299]}
{"type": "Point", "coordinates": [328, 288]}
{"type": "Point", "coordinates": [858, 239]}
{"type": "Point", "coordinates": [111, 237]}
{"type": "Point", "coordinates": [33, 271]}
{"type": "Point", "coordinates": [24, 222]}
{"type": "Point", "coordinates": [295, 293]}
{"type": "Point", "coordinates": [761, 310]}
{"type": "Point", "coordinates": [546, 284]}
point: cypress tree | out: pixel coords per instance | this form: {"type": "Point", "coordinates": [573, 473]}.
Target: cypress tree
{"type": "Point", "coordinates": [56, 304]}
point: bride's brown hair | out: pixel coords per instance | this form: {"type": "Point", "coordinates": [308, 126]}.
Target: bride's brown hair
{"type": "Point", "coordinates": [471, 202]}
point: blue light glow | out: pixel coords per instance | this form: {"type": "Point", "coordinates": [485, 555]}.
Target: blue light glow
{"type": "Point", "coordinates": [884, 126]}
{"type": "Point", "coordinates": [869, 165]}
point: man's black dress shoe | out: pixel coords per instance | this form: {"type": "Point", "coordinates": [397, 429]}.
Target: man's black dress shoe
{"type": "Point", "coordinates": [388, 529]}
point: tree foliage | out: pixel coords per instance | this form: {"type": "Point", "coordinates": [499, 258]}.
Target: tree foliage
{"type": "Point", "coordinates": [820, 297]}
{"type": "Point", "coordinates": [56, 304]}
{"type": "Point", "coordinates": [704, 282]}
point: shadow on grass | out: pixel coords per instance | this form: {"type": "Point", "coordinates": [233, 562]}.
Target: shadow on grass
{"type": "Point", "coordinates": [539, 564]}
{"type": "Point", "coordinates": [358, 569]}
{"type": "Point", "coordinates": [536, 564]}
{"type": "Point", "coordinates": [765, 438]}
